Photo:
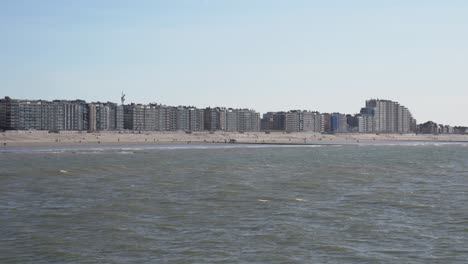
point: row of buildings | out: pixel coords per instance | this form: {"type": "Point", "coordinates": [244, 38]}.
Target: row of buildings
{"type": "Point", "coordinates": [307, 121]}
{"type": "Point", "coordinates": [433, 128]}
{"type": "Point", "coordinates": [58, 115]}
{"type": "Point", "coordinates": [154, 117]}
{"type": "Point", "coordinates": [79, 115]}
{"type": "Point", "coordinates": [378, 116]}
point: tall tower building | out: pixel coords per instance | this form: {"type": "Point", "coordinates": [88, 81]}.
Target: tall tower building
{"type": "Point", "coordinates": [385, 116]}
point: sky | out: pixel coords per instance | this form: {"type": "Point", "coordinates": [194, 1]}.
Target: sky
{"type": "Point", "coordinates": [327, 56]}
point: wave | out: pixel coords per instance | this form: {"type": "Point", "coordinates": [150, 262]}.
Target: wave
{"type": "Point", "coordinates": [131, 149]}
{"type": "Point", "coordinates": [411, 143]}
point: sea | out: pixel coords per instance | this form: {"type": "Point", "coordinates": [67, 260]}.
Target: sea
{"type": "Point", "coordinates": [234, 203]}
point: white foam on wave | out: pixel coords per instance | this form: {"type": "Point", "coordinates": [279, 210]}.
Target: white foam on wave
{"type": "Point", "coordinates": [411, 144]}
{"type": "Point", "coordinates": [131, 149]}
{"type": "Point", "coordinates": [115, 148]}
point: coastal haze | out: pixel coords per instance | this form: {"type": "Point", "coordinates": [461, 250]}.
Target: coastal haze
{"type": "Point", "coordinates": [235, 204]}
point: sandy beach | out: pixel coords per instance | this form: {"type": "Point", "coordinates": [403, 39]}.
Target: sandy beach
{"type": "Point", "coordinates": [70, 138]}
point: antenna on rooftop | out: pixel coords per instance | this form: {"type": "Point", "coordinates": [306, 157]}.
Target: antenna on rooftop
{"type": "Point", "coordinates": [122, 98]}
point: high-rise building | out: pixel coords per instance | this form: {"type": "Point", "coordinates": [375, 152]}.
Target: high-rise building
{"type": "Point", "coordinates": [297, 120]}
{"type": "Point", "coordinates": [196, 119]}
{"type": "Point", "coordinates": [52, 116]}
{"type": "Point", "coordinates": [20, 114]}
{"type": "Point", "coordinates": [247, 120]}
{"type": "Point", "coordinates": [44, 115]}
{"type": "Point", "coordinates": [325, 123]}
{"type": "Point", "coordinates": [190, 119]}
{"type": "Point", "coordinates": [353, 123]}
{"type": "Point", "coordinates": [365, 123]}
{"type": "Point", "coordinates": [74, 115]}
{"type": "Point", "coordinates": [386, 116]}
{"type": "Point", "coordinates": [92, 118]}
{"type": "Point", "coordinates": [105, 116]}
{"type": "Point", "coordinates": [167, 118]}
{"type": "Point", "coordinates": [116, 116]}
{"type": "Point", "coordinates": [150, 118]}
{"type": "Point", "coordinates": [134, 115]}
{"type": "Point", "coordinates": [273, 121]}
{"type": "Point", "coordinates": [242, 120]}
{"type": "Point", "coordinates": [231, 120]}
{"type": "Point", "coordinates": [309, 120]}
{"type": "Point", "coordinates": [183, 118]}
{"type": "Point", "coordinates": [215, 118]}
{"type": "Point", "coordinates": [338, 123]}
{"type": "Point", "coordinates": [294, 121]}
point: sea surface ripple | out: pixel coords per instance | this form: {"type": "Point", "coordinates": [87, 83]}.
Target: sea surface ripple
{"type": "Point", "coordinates": [243, 204]}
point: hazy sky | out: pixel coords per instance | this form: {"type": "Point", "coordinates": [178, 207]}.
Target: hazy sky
{"type": "Point", "coordinates": [328, 56]}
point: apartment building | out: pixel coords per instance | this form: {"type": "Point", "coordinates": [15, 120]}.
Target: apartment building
{"type": "Point", "coordinates": [196, 119]}
{"type": "Point", "coordinates": [215, 118]}
{"type": "Point", "coordinates": [338, 123]}
{"type": "Point", "coordinates": [386, 116]}
{"type": "Point", "coordinates": [167, 118]}
{"type": "Point", "coordinates": [247, 120]}
{"type": "Point", "coordinates": [273, 121]}
{"type": "Point", "coordinates": [43, 115]}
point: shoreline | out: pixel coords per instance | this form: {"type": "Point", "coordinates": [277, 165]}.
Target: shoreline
{"type": "Point", "coordinates": [109, 138]}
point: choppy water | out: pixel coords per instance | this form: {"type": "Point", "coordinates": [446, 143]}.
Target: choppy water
{"type": "Point", "coordinates": [235, 204]}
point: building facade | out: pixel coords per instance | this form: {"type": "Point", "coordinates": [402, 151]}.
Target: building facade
{"type": "Point", "coordinates": [293, 121]}
{"type": "Point", "coordinates": [378, 116]}
{"type": "Point", "coordinates": [43, 115]}
{"type": "Point", "coordinates": [385, 116]}
{"type": "Point", "coordinates": [338, 123]}
{"type": "Point", "coordinates": [273, 121]}
{"type": "Point", "coordinates": [215, 118]}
